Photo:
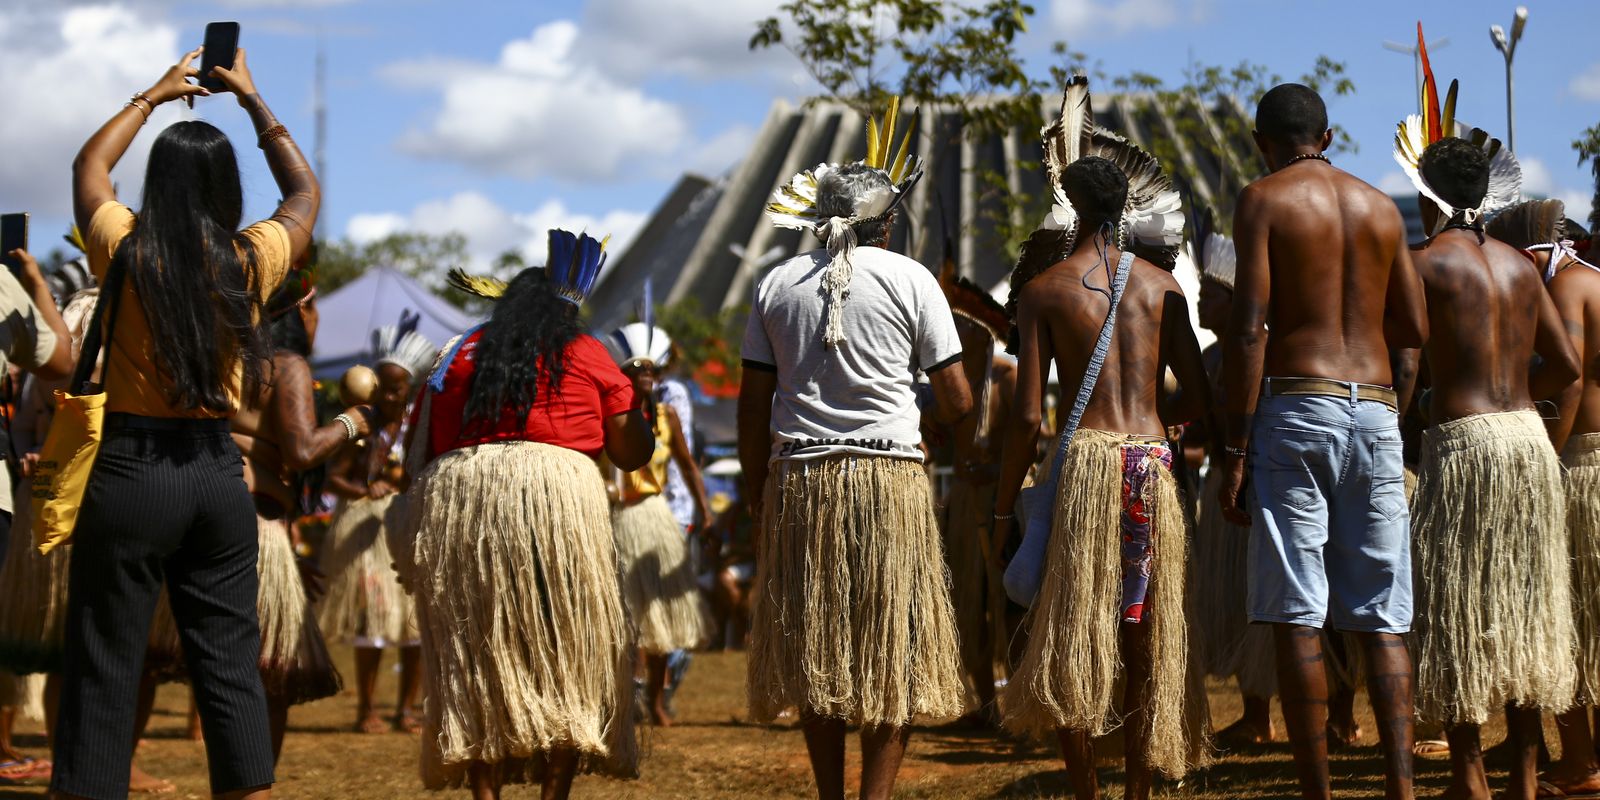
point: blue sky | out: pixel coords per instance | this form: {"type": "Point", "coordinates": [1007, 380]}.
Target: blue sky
{"type": "Point", "coordinates": [502, 118]}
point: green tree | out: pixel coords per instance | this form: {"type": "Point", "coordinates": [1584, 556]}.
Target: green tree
{"type": "Point", "coordinates": [1588, 148]}
{"type": "Point", "coordinates": [424, 257]}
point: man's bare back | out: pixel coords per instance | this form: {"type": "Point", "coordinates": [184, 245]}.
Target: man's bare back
{"type": "Point", "coordinates": [1063, 316]}
{"type": "Point", "coordinates": [1488, 313]}
{"type": "Point", "coordinates": [1338, 269]}
{"type": "Point", "coordinates": [1576, 292]}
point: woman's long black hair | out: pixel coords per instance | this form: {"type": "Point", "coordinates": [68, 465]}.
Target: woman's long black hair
{"type": "Point", "coordinates": [194, 274]}
{"type": "Point", "coordinates": [528, 332]}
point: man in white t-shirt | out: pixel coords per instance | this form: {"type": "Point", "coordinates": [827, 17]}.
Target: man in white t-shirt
{"type": "Point", "coordinates": [33, 337]}
{"type": "Point", "coordinates": [852, 620]}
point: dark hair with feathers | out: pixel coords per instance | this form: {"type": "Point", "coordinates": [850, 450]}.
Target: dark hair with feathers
{"type": "Point", "coordinates": [522, 346]}
{"type": "Point", "coordinates": [1457, 170]}
{"type": "Point", "coordinates": [194, 273]}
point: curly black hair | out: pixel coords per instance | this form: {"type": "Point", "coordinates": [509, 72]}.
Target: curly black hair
{"type": "Point", "coordinates": [1097, 189]}
{"type": "Point", "coordinates": [527, 335]}
{"type": "Point", "coordinates": [1457, 170]}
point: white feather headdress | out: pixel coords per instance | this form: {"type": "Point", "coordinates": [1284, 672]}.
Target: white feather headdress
{"type": "Point", "coordinates": [794, 206]}
{"type": "Point", "coordinates": [1152, 218]}
{"type": "Point", "coordinates": [404, 348]}
{"type": "Point", "coordinates": [1435, 123]}
{"type": "Point", "coordinates": [638, 343]}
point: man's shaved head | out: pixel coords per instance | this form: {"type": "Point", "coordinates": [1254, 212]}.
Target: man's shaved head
{"type": "Point", "coordinates": [1292, 114]}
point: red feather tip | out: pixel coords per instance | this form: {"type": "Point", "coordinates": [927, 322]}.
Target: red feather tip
{"type": "Point", "coordinates": [1432, 126]}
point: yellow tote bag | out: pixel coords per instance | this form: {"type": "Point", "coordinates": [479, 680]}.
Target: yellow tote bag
{"type": "Point", "coordinates": [67, 458]}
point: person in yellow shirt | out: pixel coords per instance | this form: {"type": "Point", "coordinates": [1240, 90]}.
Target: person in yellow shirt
{"type": "Point", "coordinates": [167, 501]}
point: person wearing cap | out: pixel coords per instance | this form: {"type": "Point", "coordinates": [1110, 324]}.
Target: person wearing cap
{"type": "Point", "coordinates": [660, 588]}
{"type": "Point", "coordinates": [852, 620]}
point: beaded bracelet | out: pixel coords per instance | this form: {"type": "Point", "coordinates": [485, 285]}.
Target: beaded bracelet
{"type": "Point", "coordinates": [349, 426]}
{"type": "Point", "coordinates": [270, 134]}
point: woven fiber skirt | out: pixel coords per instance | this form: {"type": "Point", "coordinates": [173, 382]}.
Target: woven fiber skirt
{"type": "Point", "coordinates": [659, 587]}
{"type": "Point", "coordinates": [1072, 668]}
{"type": "Point", "coordinates": [525, 645]}
{"type": "Point", "coordinates": [852, 615]}
{"type": "Point", "coordinates": [365, 605]}
{"type": "Point", "coordinates": [976, 591]}
{"type": "Point", "coordinates": [1228, 644]}
{"type": "Point", "coordinates": [33, 597]}
{"type": "Point", "coordinates": [1582, 459]}
{"type": "Point", "coordinates": [295, 665]}
{"type": "Point", "coordinates": [1494, 611]}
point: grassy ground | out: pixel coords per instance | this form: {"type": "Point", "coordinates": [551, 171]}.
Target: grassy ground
{"type": "Point", "coordinates": [714, 753]}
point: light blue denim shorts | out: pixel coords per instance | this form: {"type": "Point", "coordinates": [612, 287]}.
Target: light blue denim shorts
{"type": "Point", "coordinates": [1330, 540]}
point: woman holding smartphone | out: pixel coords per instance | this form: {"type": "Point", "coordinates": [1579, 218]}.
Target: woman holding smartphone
{"type": "Point", "coordinates": [167, 500]}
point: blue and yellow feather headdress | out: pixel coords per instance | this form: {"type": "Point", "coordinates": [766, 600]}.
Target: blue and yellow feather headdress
{"type": "Point", "coordinates": [572, 267]}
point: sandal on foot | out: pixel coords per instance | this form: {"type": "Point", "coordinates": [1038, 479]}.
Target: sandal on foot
{"type": "Point", "coordinates": [1548, 789]}
{"type": "Point", "coordinates": [1431, 748]}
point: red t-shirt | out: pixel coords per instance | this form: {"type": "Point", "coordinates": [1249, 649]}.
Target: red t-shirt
{"type": "Point", "coordinates": [593, 389]}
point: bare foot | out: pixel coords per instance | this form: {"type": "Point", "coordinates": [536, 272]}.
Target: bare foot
{"type": "Point", "coordinates": [1246, 733]}
{"type": "Point", "coordinates": [1341, 737]}
{"type": "Point", "coordinates": [1556, 783]}
{"type": "Point", "coordinates": [659, 716]}
{"type": "Point", "coordinates": [407, 722]}
{"type": "Point", "coordinates": [141, 782]}
{"type": "Point", "coordinates": [371, 723]}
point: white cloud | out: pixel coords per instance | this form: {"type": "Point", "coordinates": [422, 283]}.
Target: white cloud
{"type": "Point", "coordinates": [66, 72]}
{"type": "Point", "coordinates": [1079, 18]}
{"type": "Point", "coordinates": [284, 3]}
{"type": "Point", "coordinates": [1539, 181]}
{"type": "Point", "coordinates": [491, 229]}
{"type": "Point", "coordinates": [1586, 85]}
{"type": "Point", "coordinates": [1396, 183]}
{"type": "Point", "coordinates": [721, 152]}
{"type": "Point", "coordinates": [641, 38]}
{"type": "Point", "coordinates": [539, 112]}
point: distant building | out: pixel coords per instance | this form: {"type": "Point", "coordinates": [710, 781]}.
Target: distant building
{"type": "Point", "coordinates": [709, 238]}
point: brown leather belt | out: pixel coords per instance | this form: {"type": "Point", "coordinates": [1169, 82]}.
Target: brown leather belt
{"type": "Point", "coordinates": [1325, 387]}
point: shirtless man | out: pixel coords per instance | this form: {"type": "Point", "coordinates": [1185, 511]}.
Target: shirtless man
{"type": "Point", "coordinates": [1322, 256]}
{"type": "Point", "coordinates": [970, 546]}
{"type": "Point", "coordinates": [279, 437]}
{"type": "Point", "coordinates": [1508, 635]}
{"type": "Point", "coordinates": [1575, 289]}
{"type": "Point", "coordinates": [1113, 594]}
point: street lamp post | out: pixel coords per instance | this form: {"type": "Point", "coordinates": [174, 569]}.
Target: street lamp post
{"type": "Point", "coordinates": [1508, 48]}
{"type": "Point", "coordinates": [1416, 55]}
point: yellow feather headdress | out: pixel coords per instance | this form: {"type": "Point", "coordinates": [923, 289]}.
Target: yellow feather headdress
{"type": "Point", "coordinates": [1434, 123]}
{"type": "Point", "coordinates": [794, 204]}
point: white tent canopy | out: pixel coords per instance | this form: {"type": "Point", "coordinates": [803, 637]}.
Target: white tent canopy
{"type": "Point", "coordinates": [350, 313]}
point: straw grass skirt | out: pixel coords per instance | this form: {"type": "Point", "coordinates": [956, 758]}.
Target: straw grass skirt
{"type": "Point", "coordinates": [976, 591]}
{"type": "Point", "coordinates": [1494, 612]}
{"type": "Point", "coordinates": [295, 665]}
{"type": "Point", "coordinates": [1071, 670]}
{"type": "Point", "coordinates": [1582, 459]}
{"type": "Point", "coordinates": [1228, 644]}
{"type": "Point", "coordinates": [365, 604]}
{"type": "Point", "coordinates": [33, 597]}
{"type": "Point", "coordinates": [525, 647]}
{"type": "Point", "coordinates": [659, 587]}
{"type": "Point", "coordinates": [852, 616]}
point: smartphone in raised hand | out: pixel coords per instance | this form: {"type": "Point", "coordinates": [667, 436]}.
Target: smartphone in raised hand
{"type": "Point", "coordinates": [222, 41]}
{"type": "Point", "coordinates": [13, 236]}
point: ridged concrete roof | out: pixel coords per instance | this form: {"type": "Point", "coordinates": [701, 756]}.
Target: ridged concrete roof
{"type": "Point", "coordinates": [710, 239]}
